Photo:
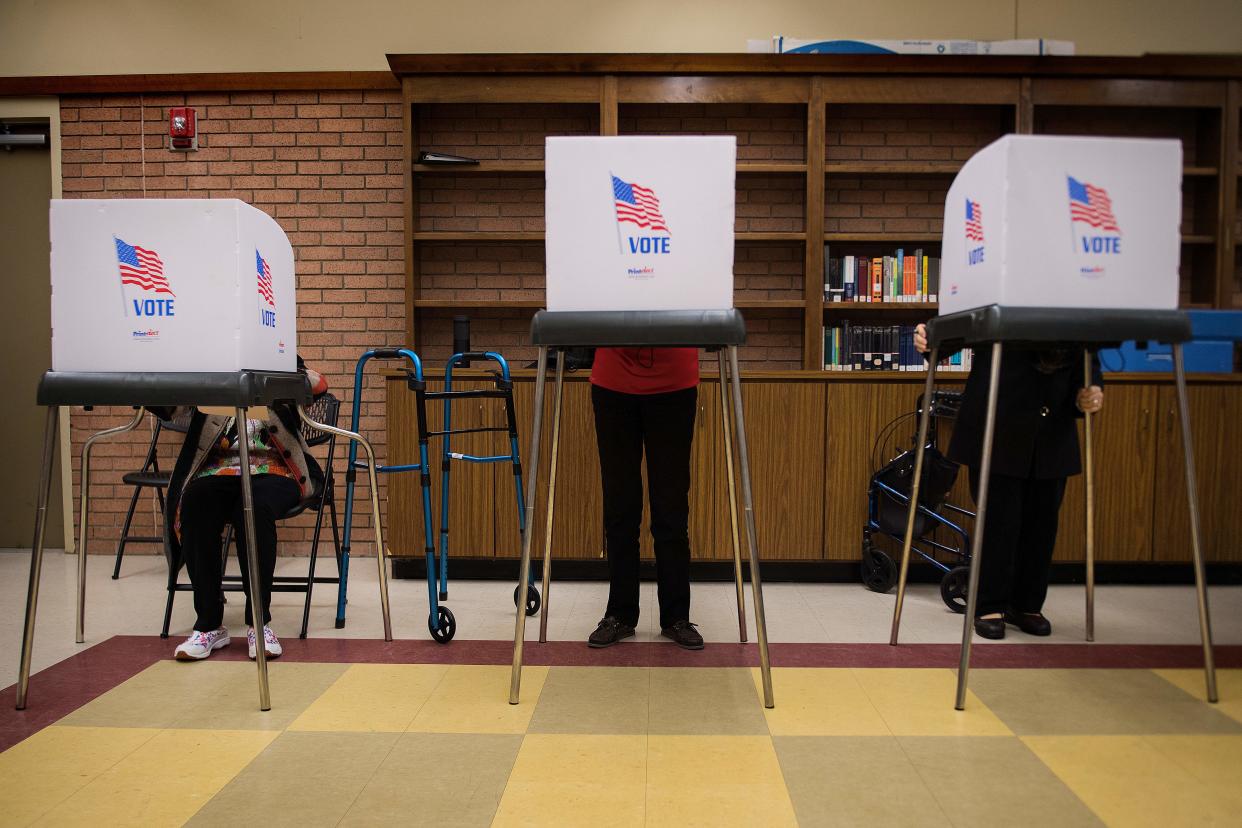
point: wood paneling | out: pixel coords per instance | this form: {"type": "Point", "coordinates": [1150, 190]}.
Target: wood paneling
{"type": "Point", "coordinates": [786, 435]}
{"type": "Point", "coordinates": [472, 497]}
{"type": "Point", "coordinates": [921, 90]}
{"type": "Point", "coordinates": [1125, 456]}
{"type": "Point", "coordinates": [1126, 92]}
{"type": "Point", "coordinates": [1216, 428]}
{"type": "Point", "coordinates": [501, 89]}
{"type": "Point", "coordinates": [735, 89]}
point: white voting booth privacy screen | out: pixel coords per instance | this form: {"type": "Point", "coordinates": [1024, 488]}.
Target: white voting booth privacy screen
{"type": "Point", "coordinates": [158, 285]}
{"type": "Point", "coordinates": [640, 223]}
{"type": "Point", "coordinates": [1059, 222]}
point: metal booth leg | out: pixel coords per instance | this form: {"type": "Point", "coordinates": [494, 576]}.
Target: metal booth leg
{"type": "Point", "coordinates": [83, 535]}
{"type": "Point", "coordinates": [752, 542]}
{"type": "Point", "coordinates": [1089, 470]}
{"type": "Point", "coordinates": [1196, 540]}
{"type": "Point", "coordinates": [252, 562]}
{"type": "Point", "coordinates": [519, 633]}
{"type": "Point", "coordinates": [727, 431]}
{"type": "Point", "coordinates": [976, 544]}
{"type": "Point", "coordinates": [50, 435]}
{"type": "Point", "coordinates": [547, 535]}
{"type": "Point", "coordinates": [375, 509]}
{"type": "Point", "coordinates": [912, 508]}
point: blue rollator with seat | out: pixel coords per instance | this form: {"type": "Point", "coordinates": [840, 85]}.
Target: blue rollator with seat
{"type": "Point", "coordinates": [503, 391]}
{"type": "Point", "coordinates": [440, 621]}
{"type": "Point", "coordinates": [888, 500]}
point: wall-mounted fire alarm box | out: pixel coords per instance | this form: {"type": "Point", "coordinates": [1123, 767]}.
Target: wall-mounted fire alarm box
{"type": "Point", "coordinates": [182, 128]}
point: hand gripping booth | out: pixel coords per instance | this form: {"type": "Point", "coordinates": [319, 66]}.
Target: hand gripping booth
{"type": "Point", "coordinates": [640, 255]}
{"type": "Point", "coordinates": [1053, 240]}
{"type": "Point", "coordinates": [177, 302]}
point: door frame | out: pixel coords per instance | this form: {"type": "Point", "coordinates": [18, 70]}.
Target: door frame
{"type": "Point", "coordinates": [48, 108]}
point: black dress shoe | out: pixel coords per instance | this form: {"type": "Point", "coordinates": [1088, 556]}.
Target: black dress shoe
{"type": "Point", "coordinates": [1031, 624]}
{"type": "Point", "coordinates": [993, 628]}
{"type": "Point", "coordinates": [609, 632]}
{"type": "Point", "coordinates": [684, 635]}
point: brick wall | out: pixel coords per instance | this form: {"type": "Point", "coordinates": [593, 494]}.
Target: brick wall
{"type": "Point", "coordinates": [327, 167]}
{"type": "Point", "coordinates": [913, 134]}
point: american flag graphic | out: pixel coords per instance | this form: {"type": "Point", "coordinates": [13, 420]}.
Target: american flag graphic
{"type": "Point", "coordinates": [974, 221]}
{"type": "Point", "coordinates": [637, 205]}
{"type": "Point", "coordinates": [1091, 204]}
{"type": "Point", "coordinates": [141, 267]}
{"type": "Point", "coordinates": [265, 280]}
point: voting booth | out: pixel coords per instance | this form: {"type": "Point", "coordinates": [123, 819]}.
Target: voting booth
{"type": "Point", "coordinates": [640, 255]}
{"type": "Point", "coordinates": [169, 302]}
{"type": "Point", "coordinates": [160, 285]}
{"type": "Point", "coordinates": [1053, 241]}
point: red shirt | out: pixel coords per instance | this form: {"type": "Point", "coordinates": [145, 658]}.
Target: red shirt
{"type": "Point", "coordinates": [646, 370]}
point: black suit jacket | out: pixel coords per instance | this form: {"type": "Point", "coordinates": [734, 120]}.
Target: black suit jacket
{"type": "Point", "coordinates": [1036, 434]}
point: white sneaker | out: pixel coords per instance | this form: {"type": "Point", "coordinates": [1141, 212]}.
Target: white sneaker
{"type": "Point", "coordinates": [271, 644]}
{"type": "Point", "coordinates": [201, 644]}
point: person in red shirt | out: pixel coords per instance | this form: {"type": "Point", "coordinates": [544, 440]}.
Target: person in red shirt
{"type": "Point", "coordinates": [645, 401]}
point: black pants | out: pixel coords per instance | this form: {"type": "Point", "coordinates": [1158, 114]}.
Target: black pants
{"type": "Point", "coordinates": [1018, 540]}
{"type": "Point", "coordinates": [207, 504]}
{"type": "Point", "coordinates": [663, 426]}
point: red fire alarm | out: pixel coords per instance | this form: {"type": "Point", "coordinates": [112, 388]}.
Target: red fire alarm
{"type": "Point", "coordinates": [182, 128]}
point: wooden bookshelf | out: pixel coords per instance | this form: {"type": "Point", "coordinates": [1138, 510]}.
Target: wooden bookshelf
{"type": "Point", "coordinates": [854, 153]}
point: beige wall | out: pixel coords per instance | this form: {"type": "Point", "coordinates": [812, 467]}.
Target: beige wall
{"type": "Point", "coordinates": [74, 37]}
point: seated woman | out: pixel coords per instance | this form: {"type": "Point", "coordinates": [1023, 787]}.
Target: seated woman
{"type": "Point", "coordinates": [1034, 450]}
{"type": "Point", "coordinates": [204, 495]}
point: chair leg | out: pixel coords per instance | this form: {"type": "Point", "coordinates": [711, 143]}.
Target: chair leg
{"type": "Point", "coordinates": [310, 575]}
{"type": "Point", "coordinates": [172, 593]}
{"type": "Point", "coordinates": [120, 544]}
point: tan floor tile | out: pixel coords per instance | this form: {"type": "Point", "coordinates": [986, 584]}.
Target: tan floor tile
{"type": "Point", "coordinates": [993, 780]}
{"type": "Point", "coordinates": [221, 695]}
{"type": "Point", "coordinates": [1228, 688]}
{"type": "Point", "coordinates": [854, 780]}
{"type": "Point", "coordinates": [705, 700]}
{"type": "Point", "coordinates": [437, 779]}
{"type": "Point", "coordinates": [1139, 780]}
{"type": "Point", "coordinates": [302, 778]}
{"type": "Point", "coordinates": [42, 771]}
{"type": "Point", "coordinates": [715, 780]}
{"type": "Point", "coordinates": [474, 698]}
{"type": "Point", "coordinates": [373, 697]}
{"type": "Point", "coordinates": [571, 780]}
{"type": "Point", "coordinates": [1071, 701]}
{"type": "Point", "coordinates": [816, 701]}
{"type": "Point", "coordinates": [919, 702]}
{"type": "Point", "coordinates": [601, 700]}
{"type": "Point", "coordinates": [163, 782]}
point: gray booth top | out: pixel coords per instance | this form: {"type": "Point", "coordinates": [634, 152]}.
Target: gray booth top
{"type": "Point", "coordinates": [639, 329]}
{"type": "Point", "coordinates": [1088, 326]}
{"type": "Point", "coordinates": [234, 389]}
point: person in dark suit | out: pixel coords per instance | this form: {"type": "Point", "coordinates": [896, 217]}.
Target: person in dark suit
{"type": "Point", "coordinates": [1040, 397]}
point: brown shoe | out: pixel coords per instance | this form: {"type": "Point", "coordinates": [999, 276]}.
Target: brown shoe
{"type": "Point", "coordinates": [684, 635]}
{"type": "Point", "coordinates": [609, 632]}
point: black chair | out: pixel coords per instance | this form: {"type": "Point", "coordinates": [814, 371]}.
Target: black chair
{"type": "Point", "coordinates": [148, 477]}
{"type": "Point", "coordinates": [324, 409]}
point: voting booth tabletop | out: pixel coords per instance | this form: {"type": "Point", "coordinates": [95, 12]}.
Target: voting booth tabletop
{"type": "Point", "coordinates": [410, 732]}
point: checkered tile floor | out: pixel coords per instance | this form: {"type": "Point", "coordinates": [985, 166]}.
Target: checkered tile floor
{"type": "Point", "coordinates": [350, 743]}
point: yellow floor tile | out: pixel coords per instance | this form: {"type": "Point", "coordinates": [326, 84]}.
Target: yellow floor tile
{"type": "Point", "coordinates": [1132, 780]}
{"type": "Point", "coordinates": [474, 698]}
{"type": "Point", "coordinates": [44, 770]}
{"type": "Point", "coordinates": [165, 781]}
{"type": "Point", "coordinates": [919, 702]}
{"type": "Point", "coordinates": [1213, 759]}
{"type": "Point", "coordinates": [715, 780]}
{"type": "Point", "coordinates": [819, 702]}
{"type": "Point", "coordinates": [1228, 688]}
{"type": "Point", "coordinates": [572, 779]}
{"type": "Point", "coordinates": [373, 698]}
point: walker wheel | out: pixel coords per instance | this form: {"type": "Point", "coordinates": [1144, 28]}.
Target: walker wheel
{"type": "Point", "coordinates": [953, 588]}
{"type": "Point", "coordinates": [444, 631]}
{"type": "Point", "coordinates": [533, 601]}
{"type": "Point", "coordinates": [879, 573]}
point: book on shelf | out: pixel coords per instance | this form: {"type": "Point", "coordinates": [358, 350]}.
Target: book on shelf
{"type": "Point", "coordinates": [906, 276]}
{"type": "Point", "coordinates": [853, 347]}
